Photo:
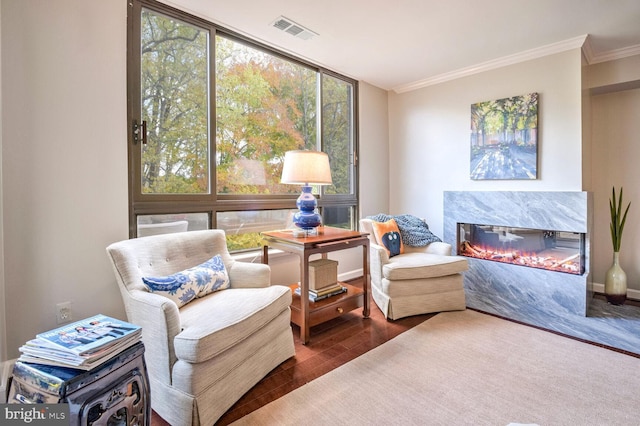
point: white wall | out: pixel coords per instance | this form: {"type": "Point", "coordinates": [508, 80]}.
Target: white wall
{"type": "Point", "coordinates": [616, 75]}
{"type": "Point", "coordinates": [616, 150]}
{"type": "Point", "coordinates": [64, 159]}
{"type": "Point", "coordinates": [374, 150]}
{"type": "Point", "coordinates": [430, 134]}
{"type": "Point", "coordinates": [615, 112]}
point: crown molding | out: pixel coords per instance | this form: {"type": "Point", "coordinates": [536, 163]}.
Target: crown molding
{"type": "Point", "coordinates": [612, 55]}
{"type": "Point", "coordinates": [587, 50]}
{"type": "Point", "coordinates": [550, 49]}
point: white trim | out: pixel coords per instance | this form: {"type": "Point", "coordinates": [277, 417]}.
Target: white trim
{"type": "Point", "coordinates": [614, 54]}
{"type": "Point", "coordinates": [350, 275]}
{"type": "Point", "coordinates": [631, 293]}
{"type": "Point", "coordinates": [587, 50]}
{"type": "Point", "coordinates": [538, 52]}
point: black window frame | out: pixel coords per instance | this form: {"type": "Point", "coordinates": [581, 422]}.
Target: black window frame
{"type": "Point", "coordinates": [213, 203]}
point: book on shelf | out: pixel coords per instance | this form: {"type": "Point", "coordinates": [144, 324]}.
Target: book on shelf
{"type": "Point", "coordinates": [83, 344]}
{"type": "Point", "coordinates": [326, 290]}
{"type": "Point", "coordinates": [316, 298]}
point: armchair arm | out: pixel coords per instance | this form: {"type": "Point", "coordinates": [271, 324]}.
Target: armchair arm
{"type": "Point", "coordinates": [249, 275]}
{"type": "Point", "coordinates": [378, 257]}
{"type": "Point", "coordinates": [443, 249]}
{"type": "Point", "coordinates": [160, 321]}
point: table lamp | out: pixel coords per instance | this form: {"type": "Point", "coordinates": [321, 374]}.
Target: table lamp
{"type": "Point", "coordinates": [306, 168]}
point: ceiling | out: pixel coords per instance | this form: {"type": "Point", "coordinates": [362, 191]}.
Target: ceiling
{"type": "Point", "coordinates": [404, 44]}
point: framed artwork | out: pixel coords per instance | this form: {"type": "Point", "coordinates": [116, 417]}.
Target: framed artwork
{"type": "Point", "coordinates": [504, 138]}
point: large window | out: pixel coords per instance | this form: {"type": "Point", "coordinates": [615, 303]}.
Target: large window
{"type": "Point", "coordinates": [211, 115]}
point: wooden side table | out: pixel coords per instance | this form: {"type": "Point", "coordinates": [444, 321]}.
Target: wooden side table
{"type": "Point", "coordinates": [305, 313]}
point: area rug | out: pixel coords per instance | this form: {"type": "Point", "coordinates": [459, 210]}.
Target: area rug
{"type": "Point", "coordinates": [470, 368]}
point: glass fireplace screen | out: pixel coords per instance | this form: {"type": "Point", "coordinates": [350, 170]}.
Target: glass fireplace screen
{"type": "Point", "coordinates": [551, 250]}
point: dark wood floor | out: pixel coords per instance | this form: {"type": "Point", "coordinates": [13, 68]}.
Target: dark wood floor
{"type": "Point", "coordinates": [331, 344]}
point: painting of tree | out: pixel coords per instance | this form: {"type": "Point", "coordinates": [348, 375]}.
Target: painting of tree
{"type": "Point", "coordinates": [504, 138]}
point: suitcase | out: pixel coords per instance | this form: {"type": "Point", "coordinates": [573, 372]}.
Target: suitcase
{"type": "Point", "coordinates": [114, 393]}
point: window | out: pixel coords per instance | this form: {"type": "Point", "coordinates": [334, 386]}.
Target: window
{"type": "Point", "coordinates": [211, 115]}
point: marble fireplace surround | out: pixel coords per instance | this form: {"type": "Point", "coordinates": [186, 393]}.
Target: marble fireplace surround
{"type": "Point", "coordinates": [534, 296]}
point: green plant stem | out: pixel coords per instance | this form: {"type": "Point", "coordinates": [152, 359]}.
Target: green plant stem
{"type": "Point", "coordinates": [617, 219]}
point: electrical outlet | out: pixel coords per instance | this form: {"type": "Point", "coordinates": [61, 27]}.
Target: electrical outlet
{"type": "Point", "coordinates": [63, 312]}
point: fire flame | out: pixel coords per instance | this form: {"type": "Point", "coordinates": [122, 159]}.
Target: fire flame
{"type": "Point", "coordinates": [570, 264]}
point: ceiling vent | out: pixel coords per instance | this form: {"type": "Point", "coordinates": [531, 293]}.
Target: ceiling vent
{"type": "Point", "coordinates": [296, 30]}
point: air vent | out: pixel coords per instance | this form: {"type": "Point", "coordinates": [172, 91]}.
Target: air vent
{"type": "Point", "coordinates": [296, 30]}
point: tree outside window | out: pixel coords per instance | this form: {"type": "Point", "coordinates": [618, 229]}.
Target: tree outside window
{"type": "Point", "coordinates": [220, 113]}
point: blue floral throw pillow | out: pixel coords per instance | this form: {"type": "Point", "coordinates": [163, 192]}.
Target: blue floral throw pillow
{"type": "Point", "coordinates": [182, 287]}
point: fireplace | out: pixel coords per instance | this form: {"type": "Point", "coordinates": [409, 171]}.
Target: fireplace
{"type": "Point", "coordinates": [551, 250]}
{"type": "Point", "coordinates": [539, 220]}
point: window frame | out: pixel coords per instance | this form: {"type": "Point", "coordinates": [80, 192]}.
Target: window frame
{"type": "Point", "coordinates": [213, 203]}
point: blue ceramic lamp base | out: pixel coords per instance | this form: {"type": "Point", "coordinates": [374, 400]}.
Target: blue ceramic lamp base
{"type": "Point", "coordinates": [307, 218]}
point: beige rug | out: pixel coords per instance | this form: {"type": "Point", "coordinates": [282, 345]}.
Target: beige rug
{"type": "Point", "coordinates": [468, 368]}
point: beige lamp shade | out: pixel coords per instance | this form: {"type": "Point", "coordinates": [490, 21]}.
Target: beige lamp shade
{"type": "Point", "coordinates": [306, 167]}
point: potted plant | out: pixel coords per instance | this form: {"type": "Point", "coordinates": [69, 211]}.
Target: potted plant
{"type": "Point", "coordinates": [615, 285]}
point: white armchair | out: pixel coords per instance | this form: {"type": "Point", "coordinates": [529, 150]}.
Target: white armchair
{"type": "Point", "coordinates": [203, 356]}
{"type": "Point", "coordinates": [422, 280]}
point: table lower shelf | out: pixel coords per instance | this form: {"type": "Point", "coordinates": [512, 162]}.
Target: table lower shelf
{"type": "Point", "coordinates": [329, 308]}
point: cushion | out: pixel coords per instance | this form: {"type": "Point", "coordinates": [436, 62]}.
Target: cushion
{"type": "Point", "coordinates": [212, 326]}
{"type": "Point", "coordinates": [388, 235]}
{"type": "Point", "coordinates": [184, 286]}
{"type": "Point", "coordinates": [413, 266]}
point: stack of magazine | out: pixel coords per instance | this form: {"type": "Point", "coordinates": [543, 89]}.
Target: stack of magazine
{"type": "Point", "coordinates": [83, 344]}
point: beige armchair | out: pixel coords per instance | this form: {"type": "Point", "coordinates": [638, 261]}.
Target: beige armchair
{"type": "Point", "coordinates": [422, 280]}
{"type": "Point", "coordinates": [203, 356]}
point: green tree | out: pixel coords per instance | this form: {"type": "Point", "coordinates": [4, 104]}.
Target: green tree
{"type": "Point", "coordinates": [336, 132]}
{"type": "Point", "coordinates": [259, 117]}
{"type": "Point", "coordinates": [265, 106]}
{"type": "Point", "coordinates": [174, 105]}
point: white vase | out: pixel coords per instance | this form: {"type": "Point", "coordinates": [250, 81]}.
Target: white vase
{"type": "Point", "coordinates": [615, 283]}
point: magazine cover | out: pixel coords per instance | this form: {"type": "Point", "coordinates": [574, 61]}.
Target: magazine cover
{"type": "Point", "coordinates": [88, 335]}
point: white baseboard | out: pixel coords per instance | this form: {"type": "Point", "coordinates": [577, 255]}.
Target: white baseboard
{"type": "Point", "coordinates": [350, 275]}
{"type": "Point", "coordinates": [6, 368]}
{"type": "Point", "coordinates": [631, 293]}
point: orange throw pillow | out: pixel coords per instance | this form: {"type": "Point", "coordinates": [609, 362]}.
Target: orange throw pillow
{"type": "Point", "coordinates": [388, 236]}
